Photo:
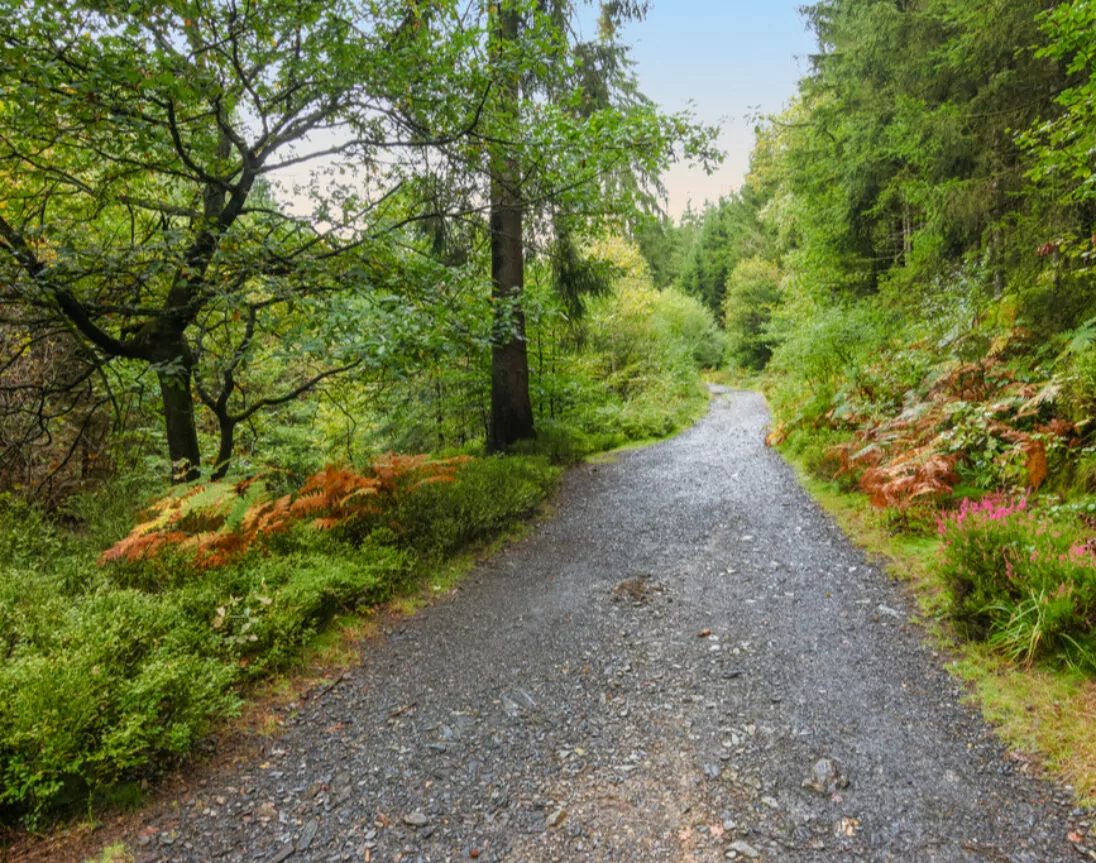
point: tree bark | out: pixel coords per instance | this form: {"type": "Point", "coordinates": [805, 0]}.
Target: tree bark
{"type": "Point", "coordinates": [224, 450]}
{"type": "Point", "coordinates": [182, 432]}
{"type": "Point", "coordinates": [511, 409]}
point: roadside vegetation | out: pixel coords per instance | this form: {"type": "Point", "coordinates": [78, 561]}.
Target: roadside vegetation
{"type": "Point", "coordinates": [908, 269]}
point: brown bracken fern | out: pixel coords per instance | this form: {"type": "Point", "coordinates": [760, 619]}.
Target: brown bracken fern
{"type": "Point", "coordinates": [216, 523]}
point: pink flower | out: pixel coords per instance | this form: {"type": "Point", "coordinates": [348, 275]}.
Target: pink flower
{"type": "Point", "coordinates": [995, 508]}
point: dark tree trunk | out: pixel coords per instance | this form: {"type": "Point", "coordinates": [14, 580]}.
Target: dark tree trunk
{"type": "Point", "coordinates": [511, 409]}
{"type": "Point", "coordinates": [182, 433]}
{"type": "Point", "coordinates": [224, 450]}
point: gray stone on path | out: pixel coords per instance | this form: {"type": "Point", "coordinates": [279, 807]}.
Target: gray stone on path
{"type": "Point", "coordinates": [745, 849]}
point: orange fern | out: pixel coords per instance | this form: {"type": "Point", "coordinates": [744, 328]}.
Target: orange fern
{"type": "Point", "coordinates": [218, 523]}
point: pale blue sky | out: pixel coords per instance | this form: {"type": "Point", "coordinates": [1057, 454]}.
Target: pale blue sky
{"type": "Point", "coordinates": [733, 59]}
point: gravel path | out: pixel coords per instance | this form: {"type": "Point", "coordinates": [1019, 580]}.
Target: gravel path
{"type": "Point", "coordinates": [653, 675]}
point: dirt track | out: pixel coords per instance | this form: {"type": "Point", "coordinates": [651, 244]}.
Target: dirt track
{"type": "Point", "coordinates": [564, 705]}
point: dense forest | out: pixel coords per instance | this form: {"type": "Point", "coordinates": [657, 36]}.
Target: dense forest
{"type": "Point", "coordinates": [298, 300]}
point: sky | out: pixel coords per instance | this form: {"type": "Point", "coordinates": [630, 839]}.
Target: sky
{"type": "Point", "coordinates": [732, 59]}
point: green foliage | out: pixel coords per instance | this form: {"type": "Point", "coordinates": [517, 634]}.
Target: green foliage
{"type": "Point", "coordinates": [113, 674]}
{"type": "Point", "coordinates": [822, 362]}
{"type": "Point", "coordinates": [900, 155]}
{"type": "Point", "coordinates": [813, 448]}
{"type": "Point", "coordinates": [643, 346]}
{"type": "Point", "coordinates": [626, 370]}
{"type": "Point", "coordinates": [730, 232]}
{"type": "Point", "coordinates": [1078, 376]}
{"type": "Point", "coordinates": [753, 289]}
{"type": "Point", "coordinates": [116, 853]}
{"type": "Point", "coordinates": [1063, 144]}
{"type": "Point", "coordinates": [666, 247]}
{"type": "Point", "coordinates": [179, 130]}
{"type": "Point", "coordinates": [689, 326]}
{"type": "Point", "coordinates": [577, 278]}
{"type": "Point", "coordinates": [1021, 581]}
{"type": "Point", "coordinates": [177, 248]}
{"type": "Point", "coordinates": [485, 497]}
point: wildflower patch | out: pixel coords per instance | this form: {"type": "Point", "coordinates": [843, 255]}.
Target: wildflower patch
{"type": "Point", "coordinates": [1021, 581]}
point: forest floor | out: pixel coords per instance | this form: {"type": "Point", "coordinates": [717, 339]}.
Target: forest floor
{"type": "Point", "coordinates": [689, 662]}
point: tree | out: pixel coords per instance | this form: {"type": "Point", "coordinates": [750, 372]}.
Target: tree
{"type": "Point", "coordinates": [753, 289]}
{"type": "Point", "coordinates": [730, 232]}
{"type": "Point", "coordinates": [511, 408]}
{"type": "Point", "coordinates": [571, 136]}
{"type": "Point", "coordinates": [668, 247]}
{"type": "Point", "coordinates": [139, 154]}
{"type": "Point", "coordinates": [900, 152]}
{"type": "Point", "coordinates": [1064, 141]}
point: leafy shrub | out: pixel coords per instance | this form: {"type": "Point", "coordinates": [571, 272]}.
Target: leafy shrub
{"type": "Point", "coordinates": [484, 498]}
{"type": "Point", "coordinates": [218, 522]}
{"type": "Point", "coordinates": [565, 443]}
{"type": "Point", "coordinates": [107, 694]}
{"type": "Point", "coordinates": [1079, 380]}
{"type": "Point", "coordinates": [1022, 582]}
{"type": "Point", "coordinates": [823, 346]}
{"type": "Point", "coordinates": [685, 322]}
{"type": "Point", "coordinates": [644, 372]}
{"type": "Point", "coordinates": [27, 534]}
{"type": "Point", "coordinates": [815, 448]}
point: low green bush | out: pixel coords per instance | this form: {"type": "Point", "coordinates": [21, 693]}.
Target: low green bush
{"type": "Point", "coordinates": [565, 443]}
{"type": "Point", "coordinates": [813, 449]}
{"type": "Point", "coordinates": [686, 323]}
{"type": "Point", "coordinates": [486, 497]}
{"type": "Point", "coordinates": [1021, 581]}
{"type": "Point", "coordinates": [753, 290]}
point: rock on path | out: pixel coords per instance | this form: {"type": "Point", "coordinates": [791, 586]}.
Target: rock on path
{"type": "Point", "coordinates": [689, 662]}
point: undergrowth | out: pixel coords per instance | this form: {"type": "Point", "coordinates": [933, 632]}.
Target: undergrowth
{"type": "Point", "coordinates": [973, 433]}
{"type": "Point", "coordinates": [112, 672]}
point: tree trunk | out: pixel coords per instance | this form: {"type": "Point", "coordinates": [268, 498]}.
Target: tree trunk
{"type": "Point", "coordinates": [182, 434]}
{"type": "Point", "coordinates": [224, 450]}
{"type": "Point", "coordinates": [511, 409]}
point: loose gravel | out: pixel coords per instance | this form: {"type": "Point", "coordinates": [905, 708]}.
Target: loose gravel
{"type": "Point", "coordinates": [690, 662]}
